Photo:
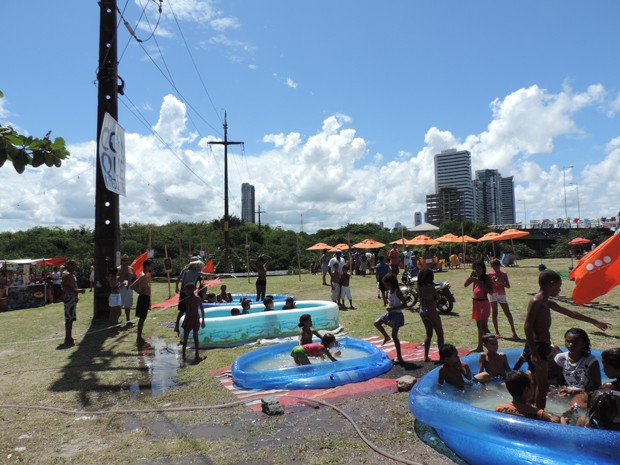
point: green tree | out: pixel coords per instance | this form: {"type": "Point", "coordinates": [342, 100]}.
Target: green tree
{"type": "Point", "coordinates": [24, 150]}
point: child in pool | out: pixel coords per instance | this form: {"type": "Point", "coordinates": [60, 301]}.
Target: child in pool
{"type": "Point", "coordinates": [301, 353]}
{"type": "Point", "coordinates": [428, 310]}
{"type": "Point", "coordinates": [192, 321]}
{"type": "Point", "coordinates": [611, 367]}
{"type": "Point", "coordinates": [268, 302]}
{"type": "Point", "coordinates": [393, 316]}
{"type": "Point", "coordinates": [235, 311]}
{"type": "Point", "coordinates": [581, 371]}
{"type": "Point", "coordinates": [519, 386]}
{"type": "Point", "coordinates": [491, 364]}
{"type": "Point", "coordinates": [245, 306]}
{"type": "Point", "coordinates": [224, 296]}
{"type": "Point", "coordinates": [289, 304]}
{"type": "Point", "coordinates": [307, 331]}
{"type": "Point", "coordinates": [603, 410]}
{"type": "Point", "coordinates": [453, 371]}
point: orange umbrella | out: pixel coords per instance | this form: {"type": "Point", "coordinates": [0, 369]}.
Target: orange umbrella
{"type": "Point", "coordinates": [319, 246]}
{"type": "Point", "coordinates": [448, 238]}
{"type": "Point", "coordinates": [511, 234]}
{"type": "Point", "coordinates": [423, 240]}
{"type": "Point", "coordinates": [342, 246]}
{"type": "Point", "coordinates": [401, 241]}
{"type": "Point", "coordinates": [579, 241]}
{"type": "Point", "coordinates": [369, 244]}
{"type": "Point", "coordinates": [490, 237]}
{"type": "Point", "coordinates": [466, 238]}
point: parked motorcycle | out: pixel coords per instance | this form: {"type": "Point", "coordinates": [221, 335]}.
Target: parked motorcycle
{"type": "Point", "coordinates": [445, 304]}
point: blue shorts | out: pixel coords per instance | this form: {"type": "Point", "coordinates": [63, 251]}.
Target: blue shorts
{"type": "Point", "coordinates": [393, 319]}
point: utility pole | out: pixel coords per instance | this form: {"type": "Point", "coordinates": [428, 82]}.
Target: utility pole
{"type": "Point", "coordinates": [259, 211]}
{"type": "Point", "coordinates": [107, 231]}
{"type": "Point", "coordinates": [226, 143]}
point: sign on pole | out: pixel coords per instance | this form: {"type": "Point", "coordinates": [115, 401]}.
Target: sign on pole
{"type": "Point", "coordinates": [112, 155]}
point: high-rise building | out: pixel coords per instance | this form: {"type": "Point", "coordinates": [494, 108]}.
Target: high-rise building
{"type": "Point", "coordinates": [417, 218]}
{"type": "Point", "coordinates": [248, 208]}
{"type": "Point", "coordinates": [444, 206]}
{"type": "Point", "coordinates": [453, 170]}
{"type": "Point", "coordinates": [489, 198]}
{"type": "Point", "coordinates": [508, 215]}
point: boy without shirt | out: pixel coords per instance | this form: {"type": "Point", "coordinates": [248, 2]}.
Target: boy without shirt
{"type": "Point", "coordinates": [491, 364]}
{"type": "Point", "coordinates": [537, 330]}
{"type": "Point", "coordinates": [126, 276]}
{"type": "Point", "coordinates": [143, 288]}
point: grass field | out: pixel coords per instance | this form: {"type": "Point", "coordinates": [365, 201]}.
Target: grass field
{"type": "Point", "coordinates": [97, 374]}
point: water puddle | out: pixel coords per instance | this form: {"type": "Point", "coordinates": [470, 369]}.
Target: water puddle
{"type": "Point", "coordinates": [157, 369]}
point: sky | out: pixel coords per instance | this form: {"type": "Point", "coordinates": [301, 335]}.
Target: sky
{"type": "Point", "coordinates": [341, 106]}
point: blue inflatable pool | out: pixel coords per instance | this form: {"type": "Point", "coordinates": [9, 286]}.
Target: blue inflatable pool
{"type": "Point", "coordinates": [252, 297]}
{"type": "Point", "coordinates": [223, 330]}
{"type": "Point", "coordinates": [315, 376]}
{"type": "Point", "coordinates": [484, 437]}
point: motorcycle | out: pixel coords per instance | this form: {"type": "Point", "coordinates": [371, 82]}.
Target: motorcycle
{"type": "Point", "coordinates": [445, 304]}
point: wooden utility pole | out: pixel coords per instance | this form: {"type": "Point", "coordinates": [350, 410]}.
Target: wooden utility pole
{"type": "Point", "coordinates": [107, 230]}
{"type": "Point", "coordinates": [259, 211]}
{"type": "Point", "coordinates": [226, 143]}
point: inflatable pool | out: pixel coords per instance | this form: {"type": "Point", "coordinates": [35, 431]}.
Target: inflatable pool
{"type": "Point", "coordinates": [485, 437]}
{"type": "Point", "coordinates": [237, 300]}
{"type": "Point", "coordinates": [223, 330]}
{"type": "Point", "coordinates": [369, 362]}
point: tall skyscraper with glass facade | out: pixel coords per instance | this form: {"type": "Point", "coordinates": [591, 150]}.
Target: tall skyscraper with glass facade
{"type": "Point", "coordinates": [248, 208]}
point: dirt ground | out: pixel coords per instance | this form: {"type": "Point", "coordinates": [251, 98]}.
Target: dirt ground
{"type": "Point", "coordinates": [307, 433]}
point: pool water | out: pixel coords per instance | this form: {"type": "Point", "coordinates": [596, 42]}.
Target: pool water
{"type": "Point", "coordinates": [284, 360]}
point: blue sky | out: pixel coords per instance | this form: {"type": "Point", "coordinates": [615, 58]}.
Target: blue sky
{"type": "Point", "coordinates": [341, 106]}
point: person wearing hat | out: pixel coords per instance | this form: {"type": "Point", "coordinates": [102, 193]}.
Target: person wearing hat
{"type": "Point", "coordinates": [336, 260]}
{"type": "Point", "coordinates": [191, 274]}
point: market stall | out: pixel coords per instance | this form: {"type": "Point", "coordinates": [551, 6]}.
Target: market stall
{"type": "Point", "coordinates": [24, 283]}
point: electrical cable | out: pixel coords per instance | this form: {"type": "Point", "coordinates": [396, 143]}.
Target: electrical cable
{"type": "Point", "coordinates": [357, 429]}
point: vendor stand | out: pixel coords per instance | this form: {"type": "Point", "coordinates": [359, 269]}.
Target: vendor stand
{"type": "Point", "coordinates": [21, 289]}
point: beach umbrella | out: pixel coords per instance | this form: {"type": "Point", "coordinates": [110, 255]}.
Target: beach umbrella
{"type": "Point", "coordinates": [369, 244]}
{"type": "Point", "coordinates": [423, 240]}
{"type": "Point", "coordinates": [467, 239]}
{"type": "Point", "coordinates": [401, 241]}
{"type": "Point", "coordinates": [342, 246]}
{"type": "Point", "coordinates": [319, 246]}
{"type": "Point", "coordinates": [511, 234]}
{"type": "Point", "coordinates": [448, 238]}
{"type": "Point", "coordinates": [489, 237]}
{"type": "Point", "coordinates": [579, 241]}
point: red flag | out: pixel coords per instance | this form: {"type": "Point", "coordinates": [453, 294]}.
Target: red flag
{"type": "Point", "coordinates": [209, 268]}
{"type": "Point", "coordinates": [598, 272]}
{"type": "Point", "coordinates": [137, 263]}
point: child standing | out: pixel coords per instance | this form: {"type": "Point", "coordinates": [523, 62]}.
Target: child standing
{"type": "Point", "coordinates": [519, 386]}
{"type": "Point", "coordinates": [581, 371]}
{"type": "Point", "coordinates": [307, 331]}
{"type": "Point", "coordinates": [500, 282]}
{"type": "Point", "coordinates": [193, 321]}
{"type": "Point", "coordinates": [393, 316]}
{"type": "Point", "coordinates": [481, 308]}
{"type": "Point", "coordinates": [453, 371]}
{"type": "Point", "coordinates": [114, 300]}
{"type": "Point", "coordinates": [70, 290]}
{"type": "Point", "coordinates": [142, 286]}
{"type": "Point", "coordinates": [537, 330]}
{"type": "Point", "coordinates": [261, 280]}
{"type": "Point", "coordinates": [345, 289]}
{"type": "Point", "coordinates": [492, 363]}
{"type": "Point", "coordinates": [428, 310]}
{"type": "Point", "coordinates": [334, 282]}
{"type": "Point", "coordinates": [381, 270]}
{"type": "Point", "coordinates": [301, 353]}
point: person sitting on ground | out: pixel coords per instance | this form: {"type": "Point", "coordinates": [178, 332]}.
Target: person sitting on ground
{"type": "Point", "coordinates": [301, 353]}
{"type": "Point", "coordinates": [611, 367]}
{"type": "Point", "coordinates": [492, 364]}
{"type": "Point", "coordinates": [453, 371]}
{"type": "Point", "coordinates": [245, 305]}
{"type": "Point", "coordinates": [307, 331]}
{"type": "Point", "coordinates": [289, 303]}
{"type": "Point", "coordinates": [235, 312]}
{"type": "Point", "coordinates": [519, 386]}
{"type": "Point", "coordinates": [268, 302]}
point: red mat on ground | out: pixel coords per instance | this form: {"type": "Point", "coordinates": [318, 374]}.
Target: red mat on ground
{"type": "Point", "coordinates": [370, 388]}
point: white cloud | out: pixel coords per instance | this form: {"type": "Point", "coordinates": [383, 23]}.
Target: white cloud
{"type": "Point", "coordinates": [331, 177]}
{"type": "Point", "coordinates": [292, 84]}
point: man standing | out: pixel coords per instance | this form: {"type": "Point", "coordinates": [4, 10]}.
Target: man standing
{"type": "Point", "coordinates": [71, 291]}
{"type": "Point", "coordinates": [407, 258]}
{"type": "Point", "coordinates": [126, 276]}
{"type": "Point", "coordinates": [394, 260]}
{"type": "Point", "coordinates": [142, 286]}
{"type": "Point", "coordinates": [337, 261]}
